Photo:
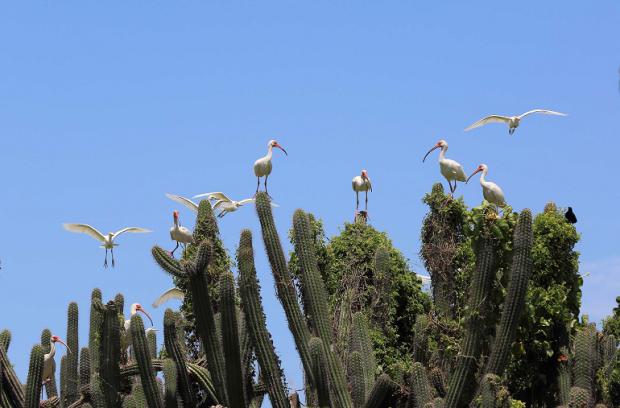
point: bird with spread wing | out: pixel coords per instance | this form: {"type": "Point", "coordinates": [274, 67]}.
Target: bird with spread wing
{"type": "Point", "coordinates": [106, 240]}
{"type": "Point", "coordinates": [224, 204]}
{"type": "Point", "coordinates": [172, 293]}
{"type": "Point", "coordinates": [512, 121]}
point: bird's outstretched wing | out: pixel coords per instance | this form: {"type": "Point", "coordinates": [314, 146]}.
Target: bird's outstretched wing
{"type": "Point", "coordinates": [185, 201]}
{"type": "Point", "coordinates": [173, 293]}
{"type": "Point", "coordinates": [85, 229]}
{"type": "Point", "coordinates": [489, 119]}
{"type": "Point", "coordinates": [543, 111]}
{"type": "Point", "coordinates": [130, 229]}
{"type": "Point", "coordinates": [218, 195]}
{"type": "Point", "coordinates": [247, 200]}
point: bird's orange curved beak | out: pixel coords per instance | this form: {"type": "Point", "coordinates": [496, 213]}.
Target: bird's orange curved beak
{"type": "Point", "coordinates": [281, 148]}
{"type": "Point", "coordinates": [478, 170]}
{"type": "Point", "coordinates": [437, 146]}
{"type": "Point", "coordinates": [146, 314]}
{"type": "Point", "coordinates": [59, 340]}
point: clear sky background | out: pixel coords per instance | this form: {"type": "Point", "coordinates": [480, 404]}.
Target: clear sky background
{"type": "Point", "coordinates": [104, 108]}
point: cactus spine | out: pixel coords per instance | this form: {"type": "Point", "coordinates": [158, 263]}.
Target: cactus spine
{"type": "Point", "coordinates": [72, 358]}
{"type": "Point", "coordinates": [174, 351]}
{"type": "Point", "coordinates": [317, 305]}
{"type": "Point", "coordinates": [94, 335]}
{"type": "Point", "coordinates": [586, 355]}
{"type": "Point", "coordinates": [171, 381]}
{"type": "Point", "coordinates": [356, 379]}
{"type": "Point", "coordinates": [564, 378]}
{"type": "Point", "coordinates": [35, 378]}
{"type": "Point", "coordinates": [421, 394]}
{"type": "Point", "coordinates": [360, 341]}
{"type": "Point", "coordinates": [110, 354]}
{"type": "Point", "coordinates": [147, 376]}
{"type": "Point", "coordinates": [319, 369]}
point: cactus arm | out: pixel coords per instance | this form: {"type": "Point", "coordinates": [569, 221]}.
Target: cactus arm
{"type": "Point", "coordinates": [13, 389]}
{"type": "Point", "coordinates": [167, 262]}
{"type": "Point", "coordinates": [361, 341]}
{"type": "Point", "coordinates": [356, 379]}
{"type": "Point", "coordinates": [173, 349]}
{"type": "Point", "coordinates": [94, 333]}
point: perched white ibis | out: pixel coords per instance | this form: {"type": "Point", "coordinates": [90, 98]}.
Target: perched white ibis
{"type": "Point", "coordinates": [224, 204]}
{"type": "Point", "coordinates": [135, 308]}
{"type": "Point", "coordinates": [490, 191]}
{"type": "Point", "coordinates": [450, 169]}
{"type": "Point", "coordinates": [262, 166]}
{"type": "Point", "coordinates": [361, 183]}
{"type": "Point", "coordinates": [172, 293]}
{"type": "Point", "coordinates": [179, 233]}
{"type": "Point", "coordinates": [185, 201]}
{"type": "Point", "coordinates": [108, 240]}
{"type": "Point", "coordinates": [49, 364]}
{"type": "Point", "coordinates": [512, 121]}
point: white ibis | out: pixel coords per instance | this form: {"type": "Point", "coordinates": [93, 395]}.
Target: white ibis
{"type": "Point", "coordinates": [450, 169]}
{"type": "Point", "coordinates": [490, 191]}
{"type": "Point", "coordinates": [225, 204]}
{"type": "Point", "coordinates": [49, 364]}
{"type": "Point", "coordinates": [172, 293]}
{"type": "Point", "coordinates": [108, 240]}
{"type": "Point", "coordinates": [361, 183]}
{"type": "Point", "coordinates": [185, 201]}
{"type": "Point", "coordinates": [262, 166]}
{"type": "Point", "coordinates": [135, 308]}
{"type": "Point", "coordinates": [179, 233]}
{"type": "Point", "coordinates": [512, 121]}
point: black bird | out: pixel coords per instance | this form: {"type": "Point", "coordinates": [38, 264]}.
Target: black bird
{"type": "Point", "coordinates": [570, 216]}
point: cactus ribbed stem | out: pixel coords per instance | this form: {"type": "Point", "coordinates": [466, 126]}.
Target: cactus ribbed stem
{"type": "Point", "coordinates": [420, 339]}
{"type": "Point", "coordinates": [129, 402]}
{"type": "Point", "coordinates": [489, 386]}
{"type": "Point", "coordinates": [84, 367]}
{"type": "Point", "coordinates": [171, 381]}
{"type": "Point", "coordinates": [317, 303]}
{"type": "Point", "coordinates": [63, 377]}
{"type": "Point", "coordinates": [230, 336]}
{"type": "Point", "coordinates": [461, 389]}
{"type": "Point", "coordinates": [319, 370]}
{"type": "Point", "coordinates": [360, 341]}
{"type": "Point", "coordinates": [35, 378]}
{"type": "Point", "coordinates": [580, 398]}
{"type": "Point", "coordinates": [256, 325]}
{"type": "Point", "coordinates": [72, 358]}
{"type": "Point", "coordinates": [12, 387]}
{"type": "Point", "coordinates": [515, 299]}
{"type": "Point", "coordinates": [174, 351]}
{"type": "Point", "coordinates": [97, 397]}
{"type": "Point", "coordinates": [564, 379]}
{"type": "Point", "coordinates": [285, 287]}
{"type": "Point", "coordinates": [110, 355]}
{"type": "Point", "coordinates": [382, 392]}
{"type": "Point", "coordinates": [438, 381]}
{"type": "Point", "coordinates": [94, 333]}
{"type": "Point", "coordinates": [356, 379]}
{"type": "Point", "coordinates": [167, 262]}
{"type": "Point", "coordinates": [5, 340]}
{"type": "Point", "coordinates": [586, 355]}
{"type": "Point", "coordinates": [142, 354]}
{"type": "Point", "coordinates": [151, 338]}
{"type": "Point", "coordinates": [418, 380]}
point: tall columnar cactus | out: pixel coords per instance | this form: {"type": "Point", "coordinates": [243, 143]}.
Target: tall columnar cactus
{"type": "Point", "coordinates": [35, 378]}
{"type": "Point", "coordinates": [515, 299]}
{"type": "Point", "coordinates": [196, 274]}
{"type": "Point", "coordinates": [143, 357]}
{"type": "Point", "coordinates": [360, 341]}
{"type": "Point", "coordinates": [285, 288]}
{"type": "Point", "coordinates": [586, 355]}
{"type": "Point", "coordinates": [72, 358]}
{"type": "Point", "coordinates": [174, 351]}
{"type": "Point", "coordinates": [421, 392]}
{"type": "Point", "coordinates": [319, 370]}
{"type": "Point", "coordinates": [50, 386]}
{"type": "Point", "coordinates": [489, 387]}
{"type": "Point", "coordinates": [317, 304]}
{"type": "Point", "coordinates": [383, 285]}
{"type": "Point", "coordinates": [151, 338]}
{"type": "Point", "coordinates": [438, 381]}
{"type": "Point", "coordinates": [171, 381]}
{"type": "Point", "coordinates": [357, 385]}
{"type": "Point", "coordinates": [230, 340]}
{"type": "Point", "coordinates": [110, 354]}
{"type": "Point", "coordinates": [5, 340]}
{"type": "Point", "coordinates": [564, 377]}
{"type": "Point", "coordinates": [382, 392]}
{"type": "Point", "coordinates": [580, 398]}
{"type": "Point", "coordinates": [420, 339]}
{"type": "Point", "coordinates": [63, 377]}
{"type": "Point", "coordinates": [12, 388]}
{"type": "Point", "coordinates": [95, 323]}
{"type": "Point", "coordinates": [255, 322]}
{"type": "Point", "coordinates": [461, 387]}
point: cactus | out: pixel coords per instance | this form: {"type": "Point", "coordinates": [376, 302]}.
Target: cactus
{"type": "Point", "coordinates": [174, 351]}
{"type": "Point", "coordinates": [256, 326]}
{"type": "Point", "coordinates": [586, 355]}
{"type": "Point", "coordinates": [317, 305]}
{"type": "Point", "coordinates": [72, 358]}
{"type": "Point", "coordinates": [356, 379]}
{"type": "Point", "coordinates": [63, 377]}
{"type": "Point", "coordinates": [460, 388]}
{"type": "Point", "coordinates": [84, 367]}
{"type": "Point", "coordinates": [489, 387]}
{"type": "Point", "coordinates": [147, 377]}
{"type": "Point", "coordinates": [319, 370]}
{"type": "Point", "coordinates": [360, 341]}
{"type": "Point", "coordinates": [110, 354]}
{"type": "Point", "coordinates": [421, 394]}
{"type": "Point", "coordinates": [383, 284]}
{"type": "Point", "coordinates": [5, 340]}
{"type": "Point", "coordinates": [564, 378]}
{"type": "Point", "coordinates": [420, 339]}
{"type": "Point", "coordinates": [382, 392]}
{"type": "Point", "coordinates": [35, 378]}
{"type": "Point", "coordinates": [171, 381]}
{"type": "Point", "coordinates": [438, 381]}
{"type": "Point", "coordinates": [230, 340]}
{"type": "Point", "coordinates": [579, 398]}
{"type": "Point", "coordinates": [285, 288]}
{"type": "Point", "coordinates": [515, 299]}
{"type": "Point", "coordinates": [95, 323]}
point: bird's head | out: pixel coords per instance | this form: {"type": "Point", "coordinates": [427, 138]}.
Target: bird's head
{"type": "Point", "coordinates": [175, 215]}
{"type": "Point", "coordinates": [274, 143]}
{"type": "Point", "coordinates": [482, 167]}
{"type": "Point", "coordinates": [137, 307]}
{"type": "Point", "coordinates": [56, 339]}
{"type": "Point", "coordinates": [441, 144]}
{"type": "Point", "coordinates": [365, 174]}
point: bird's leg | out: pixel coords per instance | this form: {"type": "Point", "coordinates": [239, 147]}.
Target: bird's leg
{"type": "Point", "coordinates": [257, 185]}
{"type": "Point", "coordinates": [105, 263]}
{"type": "Point", "coordinates": [112, 252]}
{"type": "Point", "coordinates": [175, 248]}
{"type": "Point", "coordinates": [453, 190]}
{"type": "Point", "coordinates": [357, 202]}
{"type": "Point", "coordinates": [366, 203]}
{"type": "Point", "coordinates": [266, 192]}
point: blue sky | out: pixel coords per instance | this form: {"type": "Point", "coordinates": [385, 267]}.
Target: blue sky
{"type": "Point", "coordinates": [103, 109]}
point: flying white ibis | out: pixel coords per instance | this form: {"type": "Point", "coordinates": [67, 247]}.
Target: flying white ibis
{"type": "Point", "coordinates": [225, 204]}
{"type": "Point", "coordinates": [172, 293]}
{"type": "Point", "coordinates": [450, 169]}
{"type": "Point", "coordinates": [361, 183]}
{"type": "Point", "coordinates": [185, 201]}
{"type": "Point", "coordinates": [512, 121]}
{"type": "Point", "coordinates": [135, 308]}
{"type": "Point", "coordinates": [108, 240]}
{"type": "Point", "coordinates": [49, 364]}
{"type": "Point", "coordinates": [179, 233]}
{"type": "Point", "coordinates": [262, 166]}
{"type": "Point", "coordinates": [490, 191]}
